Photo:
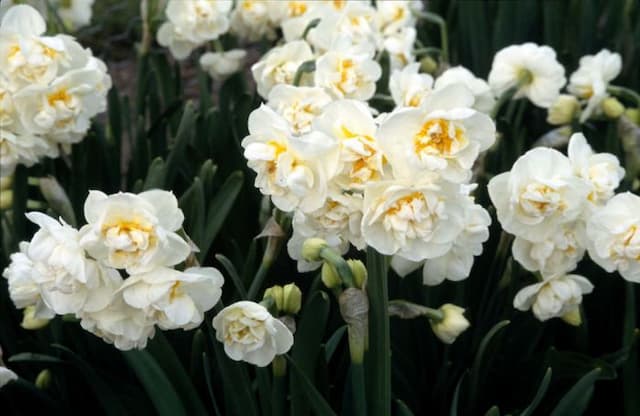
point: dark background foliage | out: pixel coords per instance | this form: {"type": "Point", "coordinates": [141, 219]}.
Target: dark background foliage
{"type": "Point", "coordinates": [152, 137]}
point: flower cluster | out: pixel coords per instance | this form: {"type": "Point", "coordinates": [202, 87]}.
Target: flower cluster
{"type": "Point", "coordinates": [63, 270]}
{"type": "Point", "coordinates": [74, 14]}
{"type": "Point", "coordinates": [50, 89]}
{"type": "Point", "coordinates": [556, 207]}
{"type": "Point", "coordinates": [399, 183]}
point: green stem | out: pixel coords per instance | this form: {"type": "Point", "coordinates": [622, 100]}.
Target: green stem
{"type": "Point", "coordinates": [379, 356]}
{"type": "Point", "coordinates": [624, 92]}
{"type": "Point", "coordinates": [444, 37]}
{"type": "Point", "coordinates": [307, 66]}
{"type": "Point", "coordinates": [279, 388]}
{"type": "Point", "coordinates": [270, 253]}
{"type": "Point", "coordinates": [357, 385]}
{"type": "Point", "coordinates": [340, 264]}
{"type": "Point", "coordinates": [506, 96]}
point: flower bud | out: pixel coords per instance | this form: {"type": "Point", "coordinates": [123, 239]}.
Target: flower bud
{"type": "Point", "coordinates": [312, 248]}
{"type": "Point", "coordinates": [451, 325]}
{"type": "Point", "coordinates": [6, 182]}
{"type": "Point", "coordinates": [563, 110]}
{"type": "Point", "coordinates": [633, 114]}
{"type": "Point", "coordinates": [6, 199]}
{"type": "Point", "coordinates": [359, 273]}
{"type": "Point", "coordinates": [573, 317]}
{"type": "Point", "coordinates": [612, 108]}
{"type": "Point", "coordinates": [43, 381]}
{"type": "Point", "coordinates": [276, 294]}
{"type": "Point", "coordinates": [330, 276]}
{"type": "Point", "coordinates": [292, 299]}
{"type": "Point", "coordinates": [29, 320]}
{"type": "Point", "coordinates": [428, 65]}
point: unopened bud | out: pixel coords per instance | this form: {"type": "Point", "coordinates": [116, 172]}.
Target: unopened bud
{"type": "Point", "coordinates": [312, 248]}
{"type": "Point", "coordinates": [6, 199]}
{"type": "Point", "coordinates": [428, 65]}
{"type": "Point", "coordinates": [276, 294]}
{"type": "Point", "coordinates": [359, 273]}
{"type": "Point", "coordinates": [6, 182]}
{"type": "Point", "coordinates": [43, 381]}
{"type": "Point", "coordinates": [292, 299]}
{"type": "Point", "coordinates": [563, 110]}
{"type": "Point", "coordinates": [573, 317]}
{"type": "Point", "coordinates": [330, 276]}
{"type": "Point", "coordinates": [30, 321]}
{"type": "Point", "coordinates": [612, 108]}
{"type": "Point", "coordinates": [633, 114]}
{"type": "Point", "coordinates": [452, 324]}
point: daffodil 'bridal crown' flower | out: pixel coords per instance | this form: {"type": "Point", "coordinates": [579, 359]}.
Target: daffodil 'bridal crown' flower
{"type": "Point", "coordinates": [533, 70]}
{"type": "Point", "coordinates": [614, 236]}
{"type": "Point", "coordinates": [172, 298]}
{"type": "Point", "coordinates": [134, 232]}
{"type": "Point", "coordinates": [50, 89]}
{"type": "Point", "coordinates": [293, 170]}
{"type": "Point", "coordinates": [484, 98]}
{"type": "Point", "coordinates": [445, 135]}
{"type": "Point", "coordinates": [556, 296]}
{"type": "Point", "coordinates": [220, 65]}
{"type": "Point", "coordinates": [408, 87]}
{"type": "Point", "coordinates": [279, 65]}
{"type": "Point", "coordinates": [250, 333]}
{"type": "Point", "coordinates": [192, 23]}
{"type": "Point", "coordinates": [538, 195]}
{"type": "Point", "coordinates": [299, 106]}
{"type": "Point", "coordinates": [590, 81]}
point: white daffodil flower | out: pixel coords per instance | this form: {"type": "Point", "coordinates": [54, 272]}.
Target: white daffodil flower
{"type": "Point", "coordinates": [177, 41]}
{"type": "Point", "coordinates": [393, 15]}
{"type": "Point", "coordinates": [69, 283]}
{"type": "Point", "coordinates": [353, 25]}
{"type": "Point", "coordinates": [250, 333]}
{"type": "Point", "coordinates": [120, 324]}
{"type": "Point", "coordinates": [408, 87]}
{"type": "Point", "coordinates": [279, 65]}
{"type": "Point", "coordinates": [558, 253]}
{"type": "Point", "coordinates": [134, 232]}
{"type": "Point", "coordinates": [350, 124]}
{"type": "Point", "coordinates": [554, 297]}
{"type": "Point", "coordinates": [484, 98]}
{"type": "Point", "coordinates": [172, 298]}
{"type": "Point", "coordinates": [23, 290]}
{"type": "Point", "coordinates": [293, 170]}
{"type": "Point", "coordinates": [199, 20]}
{"type": "Point", "coordinates": [250, 20]}
{"type": "Point", "coordinates": [400, 46]}
{"type": "Point", "coordinates": [337, 222]}
{"type": "Point", "coordinates": [220, 65]}
{"type": "Point", "coordinates": [613, 233]}
{"type": "Point", "coordinates": [445, 136]}
{"type": "Point", "coordinates": [590, 81]}
{"type": "Point", "coordinates": [602, 171]}
{"type": "Point", "coordinates": [538, 195]}
{"type": "Point", "coordinates": [298, 105]}
{"type": "Point", "coordinates": [456, 264]}
{"type": "Point", "coordinates": [63, 109]}
{"type": "Point", "coordinates": [22, 149]}
{"type": "Point", "coordinates": [416, 220]}
{"type": "Point", "coordinates": [532, 69]}
{"type": "Point", "coordinates": [348, 71]}
{"type": "Point", "coordinates": [74, 13]}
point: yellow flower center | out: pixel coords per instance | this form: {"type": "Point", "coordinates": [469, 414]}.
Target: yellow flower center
{"type": "Point", "coordinates": [297, 8]}
{"type": "Point", "coordinates": [60, 95]}
{"type": "Point", "coordinates": [439, 137]}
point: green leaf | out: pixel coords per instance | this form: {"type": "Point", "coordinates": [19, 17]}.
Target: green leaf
{"type": "Point", "coordinates": [544, 385]}
{"type": "Point", "coordinates": [233, 274]}
{"type": "Point", "coordinates": [568, 364]}
{"type": "Point", "coordinates": [219, 209]}
{"type": "Point", "coordinates": [479, 359]}
{"type": "Point", "coordinates": [402, 409]}
{"type": "Point", "coordinates": [315, 399]}
{"type": "Point", "coordinates": [30, 357]}
{"type": "Point", "coordinates": [183, 136]}
{"type": "Point", "coordinates": [156, 175]}
{"type": "Point", "coordinates": [334, 340]}
{"type": "Point", "coordinates": [206, 364]}
{"type": "Point", "coordinates": [192, 203]}
{"type": "Point", "coordinates": [577, 398]}
{"type": "Point", "coordinates": [167, 359]}
{"type": "Point", "coordinates": [162, 393]}
{"type": "Point", "coordinates": [378, 358]}
{"type": "Point", "coordinates": [493, 411]}
{"type": "Point", "coordinates": [456, 396]}
{"type": "Point", "coordinates": [110, 403]}
{"type": "Point", "coordinates": [306, 346]}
